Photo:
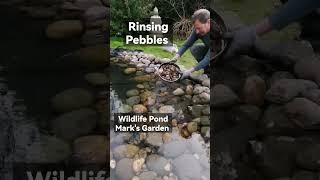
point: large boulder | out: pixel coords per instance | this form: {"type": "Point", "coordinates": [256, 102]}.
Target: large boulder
{"type": "Point", "coordinates": [91, 57]}
{"type": "Point", "coordinates": [96, 13]}
{"type": "Point", "coordinates": [305, 175]}
{"type": "Point", "coordinates": [275, 117]}
{"type": "Point", "coordinates": [124, 170]}
{"type": "Point", "coordinates": [64, 29]}
{"type": "Point", "coordinates": [97, 79]}
{"type": "Point", "coordinates": [308, 69]}
{"type": "Point", "coordinates": [75, 123]}
{"type": "Point", "coordinates": [254, 90]}
{"type": "Point", "coordinates": [167, 109]}
{"type": "Point", "coordinates": [187, 167]}
{"type": "Point", "coordinates": [158, 164]}
{"type": "Point", "coordinates": [139, 108]}
{"type": "Point", "coordinates": [276, 76]}
{"type": "Point", "coordinates": [287, 53]}
{"type": "Point", "coordinates": [132, 92]}
{"type": "Point", "coordinates": [71, 99]}
{"type": "Point", "coordinates": [303, 112]}
{"type": "Point", "coordinates": [309, 157]}
{"type": "Point", "coordinates": [94, 37]}
{"type": "Point", "coordinates": [285, 90]}
{"type": "Point", "coordinates": [277, 157]}
{"type": "Point", "coordinates": [312, 95]}
{"type": "Point", "coordinates": [91, 149]}
{"type": "Point", "coordinates": [47, 149]}
{"type": "Point", "coordinates": [133, 100]}
{"type": "Point", "coordinates": [125, 151]}
{"type": "Point", "coordinates": [223, 96]}
{"type": "Point", "coordinates": [173, 149]}
{"type": "Point", "coordinates": [85, 4]}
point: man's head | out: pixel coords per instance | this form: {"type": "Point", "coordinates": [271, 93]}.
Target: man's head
{"type": "Point", "coordinates": [201, 21]}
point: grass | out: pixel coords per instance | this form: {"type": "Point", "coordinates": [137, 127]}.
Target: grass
{"type": "Point", "coordinates": [186, 61]}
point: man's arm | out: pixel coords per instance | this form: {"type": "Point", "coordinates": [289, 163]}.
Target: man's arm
{"type": "Point", "coordinates": [292, 11]}
{"type": "Point", "coordinates": [204, 62]}
{"type": "Point", "coordinates": [244, 39]}
{"type": "Point", "coordinates": [189, 42]}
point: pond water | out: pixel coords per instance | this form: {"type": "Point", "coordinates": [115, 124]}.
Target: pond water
{"type": "Point", "coordinates": [153, 155]}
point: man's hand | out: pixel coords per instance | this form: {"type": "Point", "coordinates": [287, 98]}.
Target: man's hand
{"type": "Point", "coordinates": [187, 73]}
{"type": "Point", "coordinates": [242, 41]}
{"type": "Point", "coordinates": [175, 58]}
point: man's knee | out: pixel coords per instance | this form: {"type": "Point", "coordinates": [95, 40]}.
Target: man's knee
{"type": "Point", "coordinates": [198, 51]}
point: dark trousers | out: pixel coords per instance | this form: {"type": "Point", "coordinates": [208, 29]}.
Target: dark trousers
{"type": "Point", "coordinates": [198, 51]}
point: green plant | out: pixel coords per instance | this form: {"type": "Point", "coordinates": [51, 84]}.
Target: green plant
{"type": "Point", "coordinates": [180, 11]}
{"type": "Point", "coordinates": [123, 10]}
{"type": "Point", "coordinates": [182, 28]}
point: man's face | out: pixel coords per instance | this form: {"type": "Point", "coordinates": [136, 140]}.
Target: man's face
{"type": "Point", "coordinates": [201, 28]}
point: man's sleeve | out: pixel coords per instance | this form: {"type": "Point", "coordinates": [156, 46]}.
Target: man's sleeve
{"type": "Point", "coordinates": [204, 62]}
{"type": "Point", "coordinates": [292, 11]}
{"type": "Point", "coordinates": [189, 42]}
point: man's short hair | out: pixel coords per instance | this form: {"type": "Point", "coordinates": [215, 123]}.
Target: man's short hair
{"type": "Point", "coordinates": [202, 15]}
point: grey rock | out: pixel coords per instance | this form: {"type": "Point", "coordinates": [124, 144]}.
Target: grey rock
{"type": "Point", "coordinates": [279, 75]}
{"type": "Point", "coordinates": [187, 167]}
{"type": "Point", "coordinates": [148, 175]}
{"type": "Point", "coordinates": [285, 90]}
{"type": "Point", "coordinates": [154, 139]}
{"type": "Point", "coordinates": [275, 117]}
{"type": "Point", "coordinates": [124, 170]}
{"type": "Point", "coordinates": [167, 109]}
{"type": "Point", "coordinates": [312, 95]}
{"type": "Point", "coordinates": [223, 96]}
{"type": "Point", "coordinates": [200, 89]}
{"type": "Point", "coordinates": [133, 100]}
{"type": "Point", "coordinates": [205, 120]}
{"type": "Point", "coordinates": [132, 92]}
{"type": "Point", "coordinates": [304, 175]}
{"type": "Point", "coordinates": [173, 149]}
{"type": "Point", "coordinates": [303, 112]}
{"type": "Point", "coordinates": [85, 4]}
{"type": "Point", "coordinates": [125, 151]}
{"type": "Point", "coordinates": [288, 52]}
{"type": "Point", "coordinates": [309, 157]}
{"type": "Point", "coordinates": [308, 69]}
{"type": "Point", "coordinates": [254, 90]}
{"type": "Point", "coordinates": [125, 108]}
{"type": "Point", "coordinates": [64, 29]}
{"type": "Point", "coordinates": [178, 92]}
{"type": "Point", "coordinates": [157, 164]}
{"type": "Point", "coordinates": [206, 111]}
{"type": "Point", "coordinates": [206, 83]}
{"type": "Point", "coordinates": [96, 13]}
{"type": "Point", "coordinates": [150, 70]}
{"type": "Point", "coordinates": [97, 79]}
{"type": "Point", "coordinates": [205, 97]}
{"type": "Point", "coordinates": [196, 110]}
{"type": "Point", "coordinates": [75, 123]}
{"type": "Point", "coordinates": [71, 99]}
{"type": "Point", "coordinates": [47, 149]}
{"type": "Point", "coordinates": [93, 37]}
